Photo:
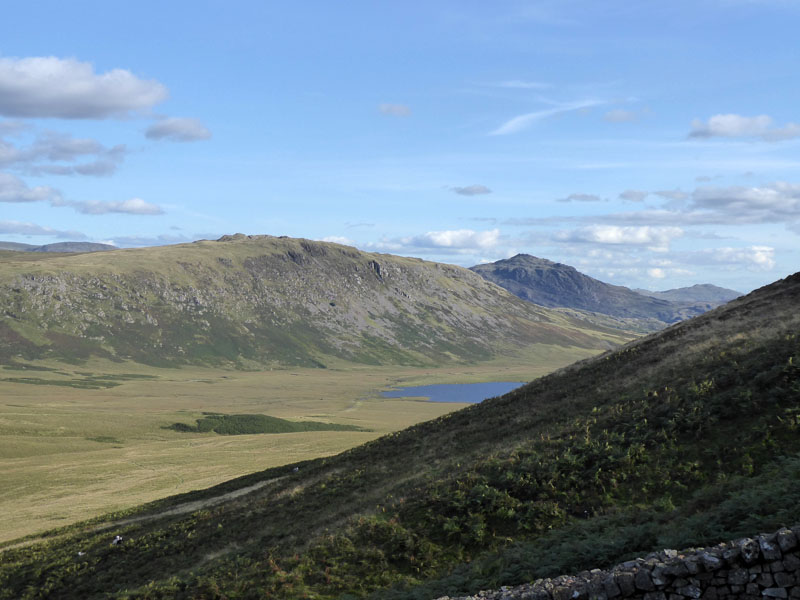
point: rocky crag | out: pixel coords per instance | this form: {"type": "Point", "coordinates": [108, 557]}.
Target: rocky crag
{"type": "Point", "coordinates": [764, 567]}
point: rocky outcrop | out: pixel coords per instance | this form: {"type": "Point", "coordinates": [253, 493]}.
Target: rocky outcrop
{"type": "Point", "coordinates": [764, 567]}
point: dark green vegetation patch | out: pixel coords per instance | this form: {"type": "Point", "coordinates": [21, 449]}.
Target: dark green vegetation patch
{"type": "Point", "coordinates": [249, 424]}
{"type": "Point", "coordinates": [686, 437]}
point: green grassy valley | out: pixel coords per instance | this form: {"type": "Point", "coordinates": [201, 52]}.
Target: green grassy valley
{"type": "Point", "coordinates": [687, 436]}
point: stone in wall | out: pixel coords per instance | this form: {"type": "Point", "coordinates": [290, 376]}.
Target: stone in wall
{"type": "Point", "coordinates": [766, 567]}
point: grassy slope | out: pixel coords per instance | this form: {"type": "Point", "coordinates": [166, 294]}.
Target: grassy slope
{"type": "Point", "coordinates": [697, 422]}
{"type": "Point", "coordinates": [266, 301]}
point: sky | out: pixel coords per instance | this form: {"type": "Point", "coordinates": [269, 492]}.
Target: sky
{"type": "Point", "coordinates": [648, 144]}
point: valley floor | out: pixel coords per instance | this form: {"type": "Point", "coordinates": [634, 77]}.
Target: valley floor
{"type": "Point", "coordinates": [77, 442]}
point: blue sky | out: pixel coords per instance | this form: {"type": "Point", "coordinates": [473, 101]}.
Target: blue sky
{"type": "Point", "coordinates": [648, 144]}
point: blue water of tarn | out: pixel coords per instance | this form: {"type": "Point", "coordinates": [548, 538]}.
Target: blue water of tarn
{"type": "Point", "coordinates": [455, 392]}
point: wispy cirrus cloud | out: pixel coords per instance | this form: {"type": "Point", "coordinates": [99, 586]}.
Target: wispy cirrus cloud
{"type": "Point", "coordinates": [524, 121]}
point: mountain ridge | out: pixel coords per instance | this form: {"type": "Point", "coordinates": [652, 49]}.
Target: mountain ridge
{"type": "Point", "coordinates": [253, 301]}
{"type": "Point", "coordinates": [553, 285]}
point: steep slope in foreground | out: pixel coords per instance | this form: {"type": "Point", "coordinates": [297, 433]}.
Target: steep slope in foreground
{"type": "Point", "coordinates": [552, 284]}
{"type": "Point", "coordinates": [687, 436]}
{"type": "Point", "coordinates": [261, 300]}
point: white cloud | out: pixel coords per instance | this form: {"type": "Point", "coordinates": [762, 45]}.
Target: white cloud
{"type": "Point", "coordinates": [620, 116]}
{"type": "Point", "coordinates": [459, 238]}
{"type": "Point", "coordinates": [517, 84]}
{"type": "Point", "coordinates": [49, 152]}
{"type": "Point", "coordinates": [656, 273]}
{"type": "Point", "coordinates": [581, 198]}
{"type": "Point", "coordinates": [656, 239]}
{"type": "Point", "coordinates": [178, 129]}
{"type": "Point", "coordinates": [472, 190]}
{"type": "Point", "coordinates": [394, 110]}
{"type": "Point", "coordinates": [522, 122]}
{"type": "Point", "coordinates": [775, 202]}
{"type": "Point", "coordinates": [41, 87]}
{"type": "Point", "coordinates": [133, 206]}
{"type": "Point", "coordinates": [755, 258]}
{"type": "Point", "coordinates": [672, 194]}
{"type": "Point", "coordinates": [338, 239]}
{"type": "Point", "coordinates": [633, 195]}
{"type": "Point", "coordinates": [13, 189]}
{"type": "Point", "coordinates": [458, 241]}
{"type": "Point", "coordinates": [732, 125]}
{"type": "Point", "coordinates": [20, 228]}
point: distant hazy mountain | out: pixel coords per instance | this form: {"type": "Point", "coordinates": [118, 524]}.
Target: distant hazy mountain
{"type": "Point", "coordinates": [552, 284]}
{"type": "Point", "coordinates": [57, 247]}
{"type": "Point", "coordinates": [702, 292]}
{"type": "Point", "coordinates": [16, 246]}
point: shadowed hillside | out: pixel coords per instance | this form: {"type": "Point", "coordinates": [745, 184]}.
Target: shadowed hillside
{"type": "Point", "coordinates": [259, 301]}
{"type": "Point", "coordinates": [687, 436]}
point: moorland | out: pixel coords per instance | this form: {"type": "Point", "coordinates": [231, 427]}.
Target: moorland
{"type": "Point", "coordinates": [683, 437]}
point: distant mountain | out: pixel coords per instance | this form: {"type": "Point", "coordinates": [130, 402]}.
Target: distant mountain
{"type": "Point", "coordinates": [702, 292]}
{"type": "Point", "coordinates": [552, 284]}
{"type": "Point", "coordinates": [251, 301]}
{"type": "Point", "coordinates": [57, 247]}
{"type": "Point", "coordinates": [16, 246]}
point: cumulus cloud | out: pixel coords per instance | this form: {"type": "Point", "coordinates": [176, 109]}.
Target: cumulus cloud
{"type": "Point", "coordinates": [41, 87]}
{"type": "Point", "coordinates": [620, 116]}
{"type": "Point", "coordinates": [457, 241]}
{"type": "Point", "coordinates": [672, 194]}
{"type": "Point", "coordinates": [13, 189]}
{"type": "Point", "coordinates": [656, 273]}
{"type": "Point", "coordinates": [133, 206]}
{"type": "Point", "coordinates": [338, 239]}
{"type": "Point", "coordinates": [178, 129]}
{"type": "Point", "coordinates": [633, 195]}
{"type": "Point", "coordinates": [775, 202]}
{"type": "Point", "coordinates": [732, 126]}
{"type": "Point", "coordinates": [756, 258]}
{"type": "Point", "coordinates": [654, 238]}
{"type": "Point", "coordinates": [50, 150]}
{"type": "Point", "coordinates": [522, 122]}
{"type": "Point", "coordinates": [472, 190]}
{"type": "Point", "coordinates": [394, 110]}
{"type": "Point", "coordinates": [581, 198]}
{"type": "Point", "coordinates": [458, 238]}
{"type": "Point", "coordinates": [21, 228]}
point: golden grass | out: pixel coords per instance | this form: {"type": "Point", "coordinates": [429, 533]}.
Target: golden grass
{"type": "Point", "coordinates": [70, 454]}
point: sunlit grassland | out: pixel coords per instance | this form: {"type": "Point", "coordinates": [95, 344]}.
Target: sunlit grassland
{"type": "Point", "coordinates": [70, 453]}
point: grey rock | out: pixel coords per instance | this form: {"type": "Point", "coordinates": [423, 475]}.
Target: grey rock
{"type": "Point", "coordinates": [775, 593]}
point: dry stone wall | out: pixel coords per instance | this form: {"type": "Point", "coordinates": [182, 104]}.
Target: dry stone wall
{"type": "Point", "coordinates": [766, 567]}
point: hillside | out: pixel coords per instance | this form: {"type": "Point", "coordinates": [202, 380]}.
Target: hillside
{"type": "Point", "coordinates": [685, 437]}
{"type": "Point", "coordinates": [552, 284]}
{"type": "Point", "coordinates": [260, 301]}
